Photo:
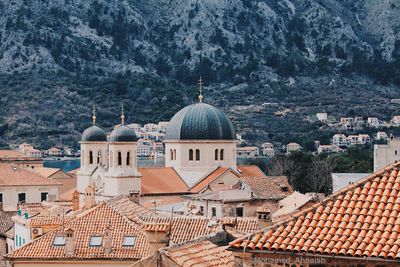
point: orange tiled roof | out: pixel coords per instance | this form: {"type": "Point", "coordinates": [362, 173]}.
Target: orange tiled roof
{"type": "Point", "coordinates": [188, 228]}
{"type": "Point", "coordinates": [49, 221]}
{"type": "Point", "coordinates": [207, 180]}
{"type": "Point", "coordinates": [250, 171]}
{"type": "Point", "coordinates": [45, 172]}
{"type": "Point", "coordinates": [5, 221]}
{"type": "Point", "coordinates": [269, 186]}
{"type": "Point", "coordinates": [361, 220]}
{"type": "Point", "coordinates": [130, 209]}
{"type": "Point", "coordinates": [199, 252]}
{"type": "Point", "coordinates": [11, 154]}
{"type": "Point", "coordinates": [162, 180]}
{"type": "Point", "coordinates": [87, 224]}
{"type": "Point", "coordinates": [14, 176]}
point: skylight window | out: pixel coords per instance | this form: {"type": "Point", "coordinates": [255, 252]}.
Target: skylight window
{"type": "Point", "coordinates": [59, 241]}
{"type": "Point", "coordinates": [95, 241]}
{"type": "Point", "coordinates": [129, 241]}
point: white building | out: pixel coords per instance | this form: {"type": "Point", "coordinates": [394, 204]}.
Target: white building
{"type": "Point", "coordinates": [322, 116]}
{"type": "Point", "coordinates": [109, 167]}
{"type": "Point", "coordinates": [19, 185]}
{"type": "Point", "coordinates": [247, 152]}
{"type": "Point", "coordinates": [291, 147]}
{"type": "Point", "coordinates": [267, 150]}
{"type": "Point", "coordinates": [373, 122]}
{"type": "Point", "coordinates": [339, 140]}
{"type": "Point", "coordinates": [144, 148]}
{"type": "Point", "coordinates": [385, 154]}
{"type": "Point", "coordinates": [363, 139]}
{"type": "Point", "coordinates": [341, 180]}
{"type": "Point", "coordinates": [54, 152]}
{"type": "Point", "coordinates": [136, 127]}
{"type": "Point", "coordinates": [35, 153]}
{"type": "Point", "coordinates": [347, 122]}
{"type": "Point", "coordinates": [328, 149]}
{"type": "Point", "coordinates": [163, 126]}
{"type": "Point", "coordinates": [395, 121]}
{"type": "Point", "coordinates": [24, 148]}
{"type": "Point", "coordinates": [151, 128]}
{"type": "Point", "coordinates": [381, 136]}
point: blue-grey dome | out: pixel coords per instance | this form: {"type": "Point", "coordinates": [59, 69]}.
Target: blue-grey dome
{"type": "Point", "coordinates": [94, 134]}
{"type": "Point", "coordinates": [200, 122]}
{"type": "Point", "coordinates": [123, 134]}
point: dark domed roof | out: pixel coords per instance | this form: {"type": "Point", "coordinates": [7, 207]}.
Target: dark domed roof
{"type": "Point", "coordinates": [94, 134]}
{"type": "Point", "coordinates": [123, 134]}
{"type": "Point", "coordinates": [200, 122]}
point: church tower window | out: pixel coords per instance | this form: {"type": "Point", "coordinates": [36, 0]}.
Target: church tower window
{"type": "Point", "coordinates": [98, 157]}
{"type": "Point", "coordinates": [216, 154]}
{"type": "Point", "coordinates": [191, 154]}
{"type": "Point", "coordinates": [90, 157]}
{"type": "Point", "coordinates": [128, 155]}
{"type": "Point", "coordinates": [171, 154]}
{"type": "Point", "coordinates": [119, 159]}
{"type": "Point", "coordinates": [197, 154]}
{"type": "Point", "coordinates": [221, 155]}
{"type": "Point", "coordinates": [174, 154]}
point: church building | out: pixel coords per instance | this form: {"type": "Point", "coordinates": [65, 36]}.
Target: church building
{"type": "Point", "coordinates": [200, 156]}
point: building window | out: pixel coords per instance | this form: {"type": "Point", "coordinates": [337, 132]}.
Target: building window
{"type": "Point", "coordinates": [239, 211]}
{"type": "Point", "coordinates": [59, 241]}
{"type": "Point", "coordinates": [129, 241]}
{"type": "Point", "coordinates": [197, 154]}
{"type": "Point", "coordinates": [174, 154]}
{"type": "Point", "coordinates": [95, 241]}
{"type": "Point", "coordinates": [98, 157]}
{"type": "Point", "coordinates": [128, 155]}
{"type": "Point", "coordinates": [90, 157]}
{"type": "Point", "coordinates": [21, 197]}
{"type": "Point", "coordinates": [216, 154]}
{"type": "Point", "coordinates": [119, 159]}
{"type": "Point", "coordinates": [213, 211]}
{"type": "Point", "coordinates": [191, 154]}
{"type": "Point", "coordinates": [1, 197]}
{"type": "Point", "coordinates": [395, 152]}
{"type": "Point", "coordinates": [221, 154]}
{"type": "Point", "coordinates": [171, 154]}
{"type": "Point", "coordinates": [43, 196]}
{"type": "Point", "coordinates": [202, 209]}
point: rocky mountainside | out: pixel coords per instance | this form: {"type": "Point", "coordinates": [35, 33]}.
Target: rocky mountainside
{"type": "Point", "coordinates": [57, 57]}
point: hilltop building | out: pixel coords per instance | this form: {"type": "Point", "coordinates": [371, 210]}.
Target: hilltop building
{"type": "Point", "coordinates": [291, 147]}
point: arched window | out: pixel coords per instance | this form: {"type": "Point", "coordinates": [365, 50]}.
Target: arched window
{"type": "Point", "coordinates": [174, 154]}
{"type": "Point", "coordinates": [90, 157]}
{"type": "Point", "coordinates": [221, 155]}
{"type": "Point", "coordinates": [216, 154]}
{"type": "Point", "coordinates": [171, 152]}
{"type": "Point", "coordinates": [128, 160]}
{"type": "Point", "coordinates": [98, 157]}
{"type": "Point", "coordinates": [191, 154]}
{"type": "Point", "coordinates": [197, 154]}
{"type": "Point", "coordinates": [119, 159]}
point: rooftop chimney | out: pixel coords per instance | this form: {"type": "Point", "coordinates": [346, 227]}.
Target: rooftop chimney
{"type": "Point", "coordinates": [69, 242]}
{"type": "Point", "coordinates": [264, 217]}
{"type": "Point", "coordinates": [75, 200]}
{"type": "Point", "coordinates": [158, 235]}
{"type": "Point", "coordinates": [89, 197]}
{"type": "Point", "coordinates": [134, 195]}
{"type": "Point", "coordinates": [107, 239]}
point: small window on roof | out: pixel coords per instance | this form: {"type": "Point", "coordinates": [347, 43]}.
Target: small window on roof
{"type": "Point", "coordinates": [59, 241]}
{"type": "Point", "coordinates": [95, 241]}
{"type": "Point", "coordinates": [129, 241]}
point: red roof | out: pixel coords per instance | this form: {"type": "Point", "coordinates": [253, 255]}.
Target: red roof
{"type": "Point", "coordinates": [162, 180]}
{"type": "Point", "coordinates": [361, 220]}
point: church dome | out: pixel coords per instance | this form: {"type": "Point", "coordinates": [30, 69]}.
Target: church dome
{"type": "Point", "coordinates": [94, 134]}
{"type": "Point", "coordinates": [200, 122]}
{"type": "Point", "coordinates": [123, 134]}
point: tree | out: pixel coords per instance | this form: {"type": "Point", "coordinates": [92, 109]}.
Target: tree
{"type": "Point", "coordinates": [320, 170]}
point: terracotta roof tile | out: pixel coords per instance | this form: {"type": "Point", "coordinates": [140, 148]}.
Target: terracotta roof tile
{"type": "Point", "coordinates": [359, 220]}
{"type": "Point", "coordinates": [87, 224]}
{"type": "Point", "coordinates": [203, 183]}
{"type": "Point", "coordinates": [11, 175]}
{"type": "Point", "coordinates": [276, 187]}
{"type": "Point", "coordinates": [199, 252]}
{"type": "Point", "coordinates": [162, 181]}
